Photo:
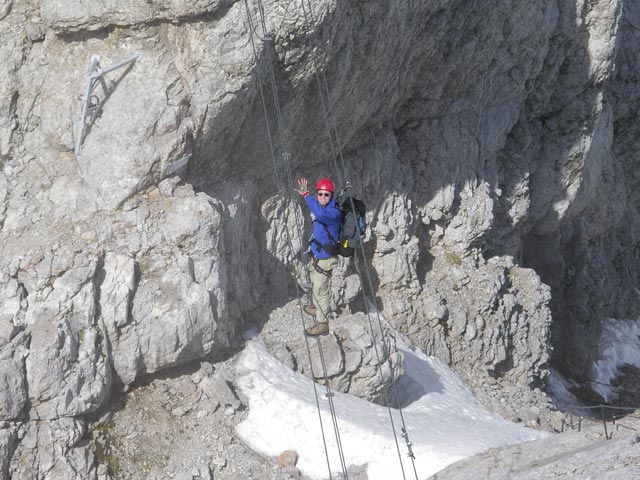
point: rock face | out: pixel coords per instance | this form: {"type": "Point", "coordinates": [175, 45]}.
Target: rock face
{"type": "Point", "coordinates": [573, 455]}
{"type": "Point", "coordinates": [493, 144]}
{"type": "Point", "coordinates": [86, 15]}
{"type": "Point", "coordinates": [357, 357]}
{"type": "Point", "coordinates": [498, 309]}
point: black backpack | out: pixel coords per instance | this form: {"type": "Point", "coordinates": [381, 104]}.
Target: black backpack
{"type": "Point", "coordinates": [354, 224]}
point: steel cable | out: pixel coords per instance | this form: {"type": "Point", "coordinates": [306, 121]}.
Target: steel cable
{"type": "Point", "coordinates": [331, 124]}
{"type": "Point", "coordinates": [280, 123]}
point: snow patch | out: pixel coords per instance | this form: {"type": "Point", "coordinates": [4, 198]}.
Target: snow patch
{"type": "Point", "coordinates": [444, 422]}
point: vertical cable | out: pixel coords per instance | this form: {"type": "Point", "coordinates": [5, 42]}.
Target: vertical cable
{"type": "Point", "coordinates": [287, 165]}
{"type": "Point", "coordinates": [331, 124]}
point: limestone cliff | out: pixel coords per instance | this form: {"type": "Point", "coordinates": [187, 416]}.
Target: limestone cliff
{"type": "Point", "coordinates": [493, 143]}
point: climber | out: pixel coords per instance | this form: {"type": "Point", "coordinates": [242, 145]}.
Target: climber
{"type": "Point", "coordinates": [323, 250]}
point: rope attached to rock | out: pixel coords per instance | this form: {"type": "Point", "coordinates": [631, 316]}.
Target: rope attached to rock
{"type": "Point", "coordinates": [336, 150]}
{"type": "Point", "coordinates": [329, 394]}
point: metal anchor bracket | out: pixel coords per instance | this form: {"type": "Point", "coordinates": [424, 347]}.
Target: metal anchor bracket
{"type": "Point", "coordinates": [178, 164]}
{"type": "Point", "coordinates": [409, 444]}
{"type": "Point", "coordinates": [91, 103]}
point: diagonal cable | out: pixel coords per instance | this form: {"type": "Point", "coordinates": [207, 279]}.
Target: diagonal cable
{"type": "Point", "coordinates": [334, 138]}
{"type": "Point", "coordinates": [265, 39]}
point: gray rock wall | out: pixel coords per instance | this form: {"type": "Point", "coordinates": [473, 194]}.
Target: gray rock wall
{"type": "Point", "coordinates": [493, 143]}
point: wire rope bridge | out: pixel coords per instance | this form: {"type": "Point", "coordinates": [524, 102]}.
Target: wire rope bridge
{"type": "Point", "coordinates": [259, 31]}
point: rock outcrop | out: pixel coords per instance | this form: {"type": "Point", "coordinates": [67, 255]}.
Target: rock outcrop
{"type": "Point", "coordinates": [573, 456]}
{"type": "Point", "coordinates": [357, 357]}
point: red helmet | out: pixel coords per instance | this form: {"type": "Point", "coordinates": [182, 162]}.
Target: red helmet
{"type": "Point", "coordinates": [325, 184]}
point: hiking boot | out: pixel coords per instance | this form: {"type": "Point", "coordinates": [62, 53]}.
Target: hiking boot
{"type": "Point", "coordinates": [320, 328]}
{"type": "Point", "coordinates": [310, 309]}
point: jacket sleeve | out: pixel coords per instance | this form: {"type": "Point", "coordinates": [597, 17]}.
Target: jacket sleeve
{"type": "Point", "coordinates": [328, 215]}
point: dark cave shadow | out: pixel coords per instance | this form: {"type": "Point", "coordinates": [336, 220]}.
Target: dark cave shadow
{"type": "Point", "coordinates": [562, 256]}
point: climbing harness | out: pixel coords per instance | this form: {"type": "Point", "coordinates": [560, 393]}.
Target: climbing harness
{"type": "Point", "coordinates": [319, 269]}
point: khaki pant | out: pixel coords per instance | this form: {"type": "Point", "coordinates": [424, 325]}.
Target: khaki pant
{"type": "Point", "coordinates": [321, 288]}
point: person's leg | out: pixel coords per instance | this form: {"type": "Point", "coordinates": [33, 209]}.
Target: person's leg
{"type": "Point", "coordinates": [322, 288]}
{"type": "Point", "coordinates": [321, 295]}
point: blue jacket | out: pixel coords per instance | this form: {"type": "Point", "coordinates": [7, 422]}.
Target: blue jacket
{"type": "Point", "coordinates": [326, 224]}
